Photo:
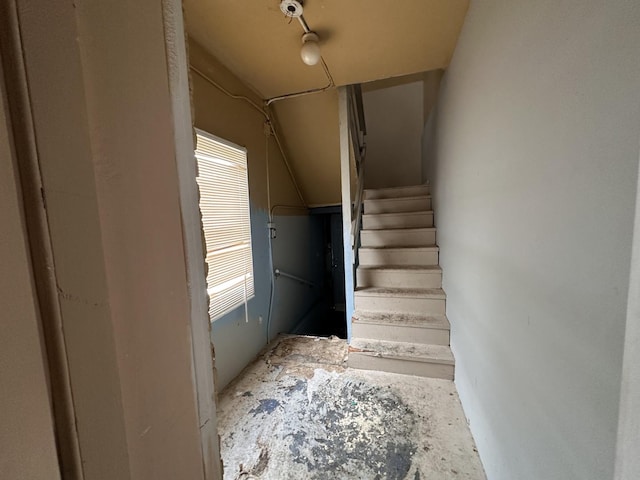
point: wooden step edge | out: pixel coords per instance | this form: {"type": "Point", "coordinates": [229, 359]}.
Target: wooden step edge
{"type": "Point", "coordinates": [409, 358]}
{"type": "Point", "coordinates": [428, 248]}
{"type": "Point", "coordinates": [429, 293]}
{"type": "Point", "coordinates": [430, 269]}
{"type": "Point", "coordinates": [395, 199]}
{"type": "Point", "coordinates": [398, 214]}
{"type": "Point", "coordinates": [406, 230]}
{"type": "Point", "coordinates": [443, 325]}
{"type": "Point", "coordinates": [427, 322]}
{"type": "Point", "coordinates": [396, 189]}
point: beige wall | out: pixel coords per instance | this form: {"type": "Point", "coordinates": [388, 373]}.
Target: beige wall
{"type": "Point", "coordinates": [534, 164]}
{"type": "Point", "coordinates": [237, 121]}
{"type": "Point", "coordinates": [27, 444]}
{"type": "Point", "coordinates": [310, 124]}
{"type": "Point", "coordinates": [236, 340]}
{"type": "Point", "coordinates": [394, 121]}
{"type": "Point", "coordinates": [308, 129]}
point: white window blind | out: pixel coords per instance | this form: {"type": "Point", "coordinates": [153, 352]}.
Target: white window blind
{"type": "Point", "coordinates": [224, 203]}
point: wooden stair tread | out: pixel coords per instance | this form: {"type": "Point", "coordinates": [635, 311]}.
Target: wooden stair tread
{"type": "Point", "coordinates": [399, 214]}
{"type": "Point", "coordinates": [408, 230]}
{"type": "Point", "coordinates": [402, 268]}
{"type": "Point", "coordinates": [400, 292]}
{"type": "Point", "coordinates": [415, 352]}
{"type": "Point", "coordinates": [428, 248]}
{"type": "Point", "coordinates": [400, 229]}
{"type": "Point", "coordinates": [395, 192]}
{"type": "Point", "coordinates": [438, 322]}
{"type": "Point", "coordinates": [392, 199]}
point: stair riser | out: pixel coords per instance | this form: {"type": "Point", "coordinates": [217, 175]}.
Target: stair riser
{"type": "Point", "coordinates": [400, 304]}
{"type": "Point", "coordinates": [417, 220]}
{"type": "Point", "coordinates": [397, 257]}
{"type": "Point", "coordinates": [400, 333]}
{"type": "Point", "coordinates": [386, 257]}
{"type": "Point", "coordinates": [421, 369]}
{"type": "Point", "coordinates": [397, 205]}
{"type": "Point", "coordinates": [412, 191]}
{"type": "Point", "coordinates": [398, 279]}
{"type": "Point", "coordinates": [398, 238]}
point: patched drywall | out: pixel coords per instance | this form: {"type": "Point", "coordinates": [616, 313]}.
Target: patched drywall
{"type": "Point", "coordinates": [27, 443]}
{"type": "Point", "coordinates": [534, 160]}
{"type": "Point", "coordinates": [394, 119]}
{"type": "Point", "coordinates": [295, 248]}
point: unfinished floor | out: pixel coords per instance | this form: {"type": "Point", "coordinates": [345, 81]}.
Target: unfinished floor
{"type": "Point", "coordinates": [298, 413]}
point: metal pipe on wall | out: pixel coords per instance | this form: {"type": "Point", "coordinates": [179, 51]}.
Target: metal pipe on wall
{"type": "Point", "coordinates": [265, 114]}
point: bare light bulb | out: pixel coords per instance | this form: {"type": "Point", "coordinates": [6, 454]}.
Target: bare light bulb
{"type": "Point", "coordinates": [310, 51]}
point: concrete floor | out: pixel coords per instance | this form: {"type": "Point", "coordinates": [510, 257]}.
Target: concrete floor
{"type": "Point", "coordinates": [298, 413]}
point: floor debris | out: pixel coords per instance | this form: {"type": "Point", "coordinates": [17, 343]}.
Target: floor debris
{"type": "Point", "coordinates": [298, 413]}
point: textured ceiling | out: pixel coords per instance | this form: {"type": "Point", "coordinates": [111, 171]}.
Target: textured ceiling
{"type": "Point", "coordinates": [361, 40]}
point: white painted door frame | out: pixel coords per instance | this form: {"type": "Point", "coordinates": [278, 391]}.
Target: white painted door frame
{"type": "Point", "coordinates": [58, 361]}
{"type": "Point", "coordinates": [203, 365]}
{"type": "Point", "coordinates": [39, 240]}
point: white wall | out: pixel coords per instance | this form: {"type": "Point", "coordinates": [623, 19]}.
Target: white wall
{"type": "Point", "coordinates": [534, 159]}
{"type": "Point", "coordinates": [627, 458]}
{"type": "Point", "coordinates": [394, 128]}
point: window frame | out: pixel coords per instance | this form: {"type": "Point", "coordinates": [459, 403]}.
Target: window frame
{"type": "Point", "coordinates": [244, 301]}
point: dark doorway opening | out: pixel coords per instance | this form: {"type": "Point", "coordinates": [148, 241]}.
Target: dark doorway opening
{"type": "Point", "coordinates": [328, 317]}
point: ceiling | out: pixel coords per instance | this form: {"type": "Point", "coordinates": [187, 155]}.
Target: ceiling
{"type": "Point", "coordinates": [361, 40]}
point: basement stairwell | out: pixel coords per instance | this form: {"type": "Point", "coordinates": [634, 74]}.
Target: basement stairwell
{"type": "Point", "coordinates": [399, 323]}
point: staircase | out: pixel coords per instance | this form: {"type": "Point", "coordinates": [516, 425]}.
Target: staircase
{"type": "Point", "coordinates": [399, 324]}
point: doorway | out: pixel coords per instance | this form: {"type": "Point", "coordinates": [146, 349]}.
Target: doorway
{"type": "Point", "coordinates": [328, 316]}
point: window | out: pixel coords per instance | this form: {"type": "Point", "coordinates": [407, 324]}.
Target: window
{"type": "Point", "coordinates": [224, 203]}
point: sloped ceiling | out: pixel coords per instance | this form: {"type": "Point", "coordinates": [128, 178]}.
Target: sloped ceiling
{"type": "Point", "coordinates": [361, 41]}
{"type": "Point", "coordinates": [312, 139]}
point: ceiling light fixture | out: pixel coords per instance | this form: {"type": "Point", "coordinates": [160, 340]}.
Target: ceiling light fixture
{"type": "Point", "coordinates": [291, 8]}
{"type": "Point", "coordinates": [310, 51]}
